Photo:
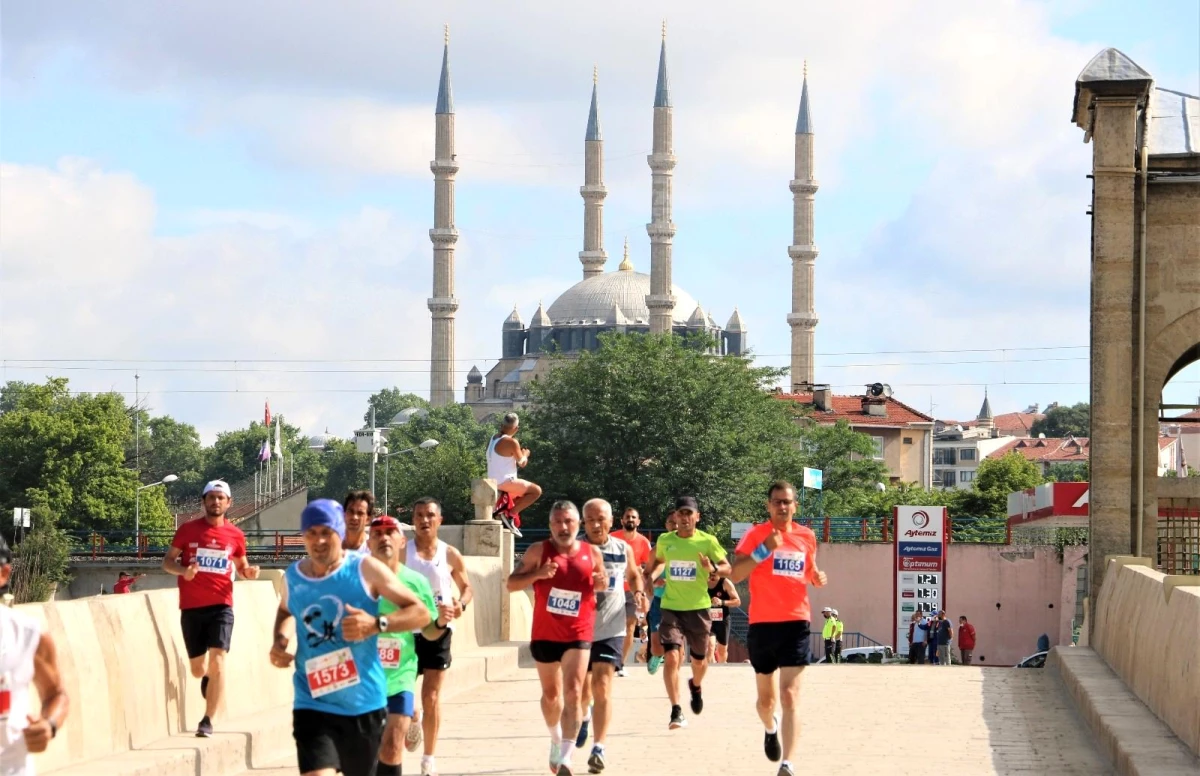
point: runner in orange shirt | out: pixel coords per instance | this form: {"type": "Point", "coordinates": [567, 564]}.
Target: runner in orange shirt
{"type": "Point", "coordinates": [780, 559]}
{"type": "Point", "coordinates": [630, 521]}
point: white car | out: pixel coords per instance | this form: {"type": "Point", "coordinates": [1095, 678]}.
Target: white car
{"type": "Point", "coordinates": [1036, 660]}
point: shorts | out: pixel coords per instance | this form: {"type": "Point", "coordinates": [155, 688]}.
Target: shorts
{"type": "Point", "coordinates": [630, 606]}
{"type": "Point", "coordinates": [692, 627]}
{"type": "Point", "coordinates": [205, 628]}
{"type": "Point", "coordinates": [607, 651]}
{"type": "Point", "coordinates": [401, 703]}
{"type": "Point", "coordinates": [775, 645]}
{"type": "Point", "coordinates": [553, 651]}
{"type": "Point", "coordinates": [654, 616]}
{"type": "Point", "coordinates": [344, 743]}
{"type": "Point", "coordinates": [432, 655]}
{"type": "Point", "coordinates": [720, 630]}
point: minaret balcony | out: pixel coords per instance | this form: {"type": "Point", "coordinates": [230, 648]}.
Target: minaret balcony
{"type": "Point", "coordinates": [661, 162]}
{"type": "Point", "coordinates": [660, 302]}
{"type": "Point", "coordinates": [593, 192]}
{"type": "Point", "coordinates": [443, 166]}
{"type": "Point", "coordinates": [445, 235]}
{"type": "Point", "coordinates": [803, 320]}
{"type": "Point", "coordinates": [801, 186]}
{"type": "Point", "coordinates": [803, 252]}
{"type": "Point", "coordinates": [442, 306]}
{"type": "Point", "coordinates": [660, 232]}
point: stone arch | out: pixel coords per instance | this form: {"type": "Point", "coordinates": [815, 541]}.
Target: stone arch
{"type": "Point", "coordinates": [1173, 349]}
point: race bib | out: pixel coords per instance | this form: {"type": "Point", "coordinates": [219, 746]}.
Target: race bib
{"type": "Point", "coordinates": [683, 570]}
{"type": "Point", "coordinates": [5, 698]}
{"type": "Point", "coordinates": [331, 672]}
{"type": "Point", "coordinates": [716, 615]}
{"type": "Point", "coordinates": [213, 561]}
{"type": "Point", "coordinates": [788, 563]}
{"type": "Point", "coordinates": [390, 650]}
{"type": "Point", "coordinates": [565, 602]}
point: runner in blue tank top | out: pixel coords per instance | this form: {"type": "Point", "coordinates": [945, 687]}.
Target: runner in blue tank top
{"type": "Point", "coordinates": [340, 690]}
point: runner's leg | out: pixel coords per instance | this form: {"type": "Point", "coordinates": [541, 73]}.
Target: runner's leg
{"type": "Point", "coordinates": [764, 684]}
{"type": "Point", "coordinates": [574, 671]}
{"type": "Point", "coordinates": [550, 676]}
{"type": "Point", "coordinates": [601, 695]}
{"type": "Point", "coordinates": [671, 662]}
{"type": "Point", "coordinates": [523, 492]}
{"type": "Point", "coordinates": [216, 681]}
{"type": "Point", "coordinates": [431, 711]}
{"type": "Point", "coordinates": [391, 749]}
{"type": "Point", "coordinates": [789, 699]}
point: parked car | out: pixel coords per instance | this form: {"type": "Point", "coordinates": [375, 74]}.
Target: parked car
{"type": "Point", "coordinates": [872, 654]}
{"type": "Point", "coordinates": [1036, 660]}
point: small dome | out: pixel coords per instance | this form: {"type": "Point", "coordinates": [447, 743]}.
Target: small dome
{"type": "Point", "coordinates": [320, 441]}
{"type": "Point", "coordinates": [404, 416]}
{"type": "Point", "coordinates": [540, 318]}
{"type": "Point", "coordinates": [474, 376]}
{"type": "Point", "coordinates": [698, 320]}
{"type": "Point", "coordinates": [735, 322]}
{"type": "Point", "coordinates": [592, 299]}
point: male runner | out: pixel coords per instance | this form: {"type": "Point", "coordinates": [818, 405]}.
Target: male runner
{"type": "Point", "coordinates": [630, 520]}
{"type": "Point", "coordinates": [359, 506]}
{"type": "Point", "coordinates": [340, 704]}
{"type": "Point", "coordinates": [203, 554]}
{"type": "Point", "coordinates": [608, 635]}
{"type": "Point", "coordinates": [444, 569]}
{"type": "Point", "coordinates": [504, 457]}
{"type": "Point", "coordinates": [27, 656]}
{"type": "Point", "coordinates": [780, 558]}
{"type": "Point", "coordinates": [658, 585]}
{"type": "Point", "coordinates": [692, 558]}
{"type": "Point", "coordinates": [723, 596]}
{"type": "Point", "coordinates": [565, 576]}
{"type": "Point", "coordinates": [396, 650]}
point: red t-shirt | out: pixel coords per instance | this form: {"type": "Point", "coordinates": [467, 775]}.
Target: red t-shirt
{"type": "Point", "coordinates": [641, 551]}
{"type": "Point", "coordinates": [214, 547]}
{"type": "Point", "coordinates": [779, 584]}
{"type": "Point", "coordinates": [123, 584]}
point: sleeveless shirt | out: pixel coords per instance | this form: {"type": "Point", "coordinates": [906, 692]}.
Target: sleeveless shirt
{"type": "Point", "coordinates": [610, 602]}
{"type": "Point", "coordinates": [564, 606]}
{"type": "Point", "coordinates": [19, 638]}
{"type": "Point", "coordinates": [500, 468]}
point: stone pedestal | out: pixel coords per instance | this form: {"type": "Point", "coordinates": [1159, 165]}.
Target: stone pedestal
{"type": "Point", "coordinates": [486, 537]}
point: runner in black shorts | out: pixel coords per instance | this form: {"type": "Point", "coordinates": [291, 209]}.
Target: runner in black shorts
{"type": "Point", "coordinates": [780, 559]}
{"type": "Point", "coordinates": [723, 597]}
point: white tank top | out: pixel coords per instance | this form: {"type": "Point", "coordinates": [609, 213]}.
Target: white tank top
{"type": "Point", "coordinates": [19, 637]}
{"type": "Point", "coordinates": [437, 571]}
{"type": "Point", "coordinates": [500, 468]}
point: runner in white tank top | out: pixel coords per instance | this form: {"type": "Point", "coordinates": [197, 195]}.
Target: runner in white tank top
{"type": "Point", "coordinates": [26, 656]}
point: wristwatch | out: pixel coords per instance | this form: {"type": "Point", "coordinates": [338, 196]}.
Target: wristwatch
{"type": "Point", "coordinates": [381, 623]}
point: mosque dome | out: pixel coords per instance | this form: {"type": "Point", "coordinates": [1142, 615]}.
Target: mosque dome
{"type": "Point", "coordinates": [592, 300]}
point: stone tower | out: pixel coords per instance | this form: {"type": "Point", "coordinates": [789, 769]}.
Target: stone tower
{"type": "Point", "coordinates": [593, 192]}
{"type": "Point", "coordinates": [443, 305]}
{"type": "Point", "coordinates": [803, 251]}
{"type": "Point", "coordinates": [660, 302]}
{"type": "Point", "coordinates": [985, 418]}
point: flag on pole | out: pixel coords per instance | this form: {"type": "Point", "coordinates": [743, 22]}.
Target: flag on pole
{"type": "Point", "coordinates": [267, 414]}
{"type": "Point", "coordinates": [265, 453]}
{"type": "Point", "coordinates": [278, 443]}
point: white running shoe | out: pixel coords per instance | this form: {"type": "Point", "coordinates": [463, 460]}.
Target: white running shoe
{"type": "Point", "coordinates": [555, 755]}
{"type": "Point", "coordinates": [412, 739]}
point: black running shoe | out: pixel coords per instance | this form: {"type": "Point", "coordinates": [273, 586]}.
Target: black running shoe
{"type": "Point", "coordinates": [581, 739]}
{"type": "Point", "coordinates": [771, 744]}
{"type": "Point", "coordinates": [508, 523]}
{"type": "Point", "coordinates": [677, 718]}
{"type": "Point", "coordinates": [204, 729]}
{"type": "Point", "coordinates": [204, 687]}
{"type": "Point", "coordinates": [563, 770]}
{"type": "Point", "coordinates": [596, 761]}
{"type": "Point", "coordinates": [785, 770]}
{"type": "Point", "coordinates": [697, 700]}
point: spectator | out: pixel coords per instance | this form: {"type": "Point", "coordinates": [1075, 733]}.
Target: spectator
{"type": "Point", "coordinates": [945, 635]}
{"type": "Point", "coordinates": [920, 633]}
{"type": "Point", "coordinates": [838, 627]}
{"type": "Point", "coordinates": [125, 582]}
{"type": "Point", "coordinates": [827, 633]}
{"type": "Point", "coordinates": [932, 642]}
{"type": "Point", "coordinates": [966, 639]}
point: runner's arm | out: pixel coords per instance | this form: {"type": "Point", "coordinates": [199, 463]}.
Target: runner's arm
{"type": "Point", "coordinates": [527, 573]}
{"type": "Point", "coordinates": [171, 564]}
{"type": "Point", "coordinates": [55, 703]}
{"type": "Point", "coordinates": [411, 613]}
{"type": "Point", "coordinates": [279, 638]}
{"type": "Point", "coordinates": [734, 600]}
{"type": "Point", "coordinates": [599, 573]}
{"type": "Point", "coordinates": [633, 574]}
{"type": "Point", "coordinates": [458, 572]}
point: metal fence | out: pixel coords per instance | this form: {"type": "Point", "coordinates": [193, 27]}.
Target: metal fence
{"type": "Point", "coordinates": [1178, 540]}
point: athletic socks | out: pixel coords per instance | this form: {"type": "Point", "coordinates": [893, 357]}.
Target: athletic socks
{"type": "Point", "coordinates": [564, 754]}
{"type": "Point", "coordinates": [774, 726]}
{"type": "Point", "coordinates": [555, 732]}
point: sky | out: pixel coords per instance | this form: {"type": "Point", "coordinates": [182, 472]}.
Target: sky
{"type": "Point", "coordinates": [232, 200]}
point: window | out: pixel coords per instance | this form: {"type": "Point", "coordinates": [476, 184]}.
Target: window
{"type": "Point", "coordinates": [878, 447]}
{"type": "Point", "coordinates": [908, 440]}
{"type": "Point", "coordinates": [966, 476]}
{"type": "Point", "coordinates": [943, 456]}
{"type": "Point", "coordinates": [966, 453]}
{"type": "Point", "coordinates": [944, 478]}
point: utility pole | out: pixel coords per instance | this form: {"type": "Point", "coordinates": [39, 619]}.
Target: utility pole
{"type": "Point", "coordinates": [374, 450]}
{"type": "Point", "coordinates": [137, 455]}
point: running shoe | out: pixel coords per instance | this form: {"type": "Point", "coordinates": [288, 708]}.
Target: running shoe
{"type": "Point", "coordinates": [596, 761]}
{"type": "Point", "coordinates": [581, 739]}
{"type": "Point", "coordinates": [697, 700]}
{"type": "Point", "coordinates": [621, 671]}
{"type": "Point", "coordinates": [204, 687]}
{"type": "Point", "coordinates": [555, 755]}
{"type": "Point", "coordinates": [771, 743]}
{"type": "Point", "coordinates": [510, 522]}
{"type": "Point", "coordinates": [785, 770]}
{"type": "Point", "coordinates": [563, 770]}
{"type": "Point", "coordinates": [428, 767]}
{"type": "Point", "coordinates": [653, 665]}
{"type": "Point", "coordinates": [677, 718]}
{"type": "Point", "coordinates": [412, 739]}
{"type": "Point", "coordinates": [204, 729]}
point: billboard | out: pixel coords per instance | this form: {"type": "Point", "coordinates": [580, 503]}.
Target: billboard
{"type": "Point", "coordinates": [920, 566]}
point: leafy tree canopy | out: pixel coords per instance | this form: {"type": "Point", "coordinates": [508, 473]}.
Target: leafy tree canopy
{"type": "Point", "coordinates": [1064, 421]}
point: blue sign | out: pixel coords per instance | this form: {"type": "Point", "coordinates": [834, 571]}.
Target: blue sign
{"type": "Point", "coordinates": [920, 549]}
{"type": "Point", "coordinates": [813, 478]}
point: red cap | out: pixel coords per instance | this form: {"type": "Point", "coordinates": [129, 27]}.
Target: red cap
{"type": "Point", "coordinates": [386, 521]}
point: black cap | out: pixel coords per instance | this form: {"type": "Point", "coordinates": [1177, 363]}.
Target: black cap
{"type": "Point", "coordinates": [687, 502]}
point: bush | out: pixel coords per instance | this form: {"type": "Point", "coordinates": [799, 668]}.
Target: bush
{"type": "Point", "coordinates": [40, 560]}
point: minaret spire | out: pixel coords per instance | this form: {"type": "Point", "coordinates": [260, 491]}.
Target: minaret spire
{"type": "Point", "coordinates": [443, 235]}
{"type": "Point", "coordinates": [803, 251]}
{"type": "Point", "coordinates": [661, 229]}
{"type": "Point", "coordinates": [593, 192]}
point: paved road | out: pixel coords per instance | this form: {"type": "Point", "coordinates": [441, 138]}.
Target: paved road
{"type": "Point", "coordinates": [857, 720]}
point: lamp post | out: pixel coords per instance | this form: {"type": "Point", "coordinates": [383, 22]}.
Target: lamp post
{"type": "Point", "coordinates": [428, 444]}
{"type": "Point", "coordinates": [137, 503]}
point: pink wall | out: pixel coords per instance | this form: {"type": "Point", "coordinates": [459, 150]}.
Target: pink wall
{"type": "Point", "coordinates": [1036, 594]}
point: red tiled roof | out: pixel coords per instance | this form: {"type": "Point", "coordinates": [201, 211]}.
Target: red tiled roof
{"type": "Point", "coordinates": [1047, 450]}
{"type": "Point", "coordinates": [850, 409]}
{"type": "Point", "coordinates": [1165, 442]}
{"type": "Point", "coordinates": [1015, 424]}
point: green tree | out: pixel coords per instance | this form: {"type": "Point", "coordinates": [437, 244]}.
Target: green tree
{"type": "Point", "coordinates": [645, 419]}
{"type": "Point", "coordinates": [40, 560]}
{"type": "Point", "coordinates": [1064, 421]}
{"type": "Point", "coordinates": [173, 448]}
{"type": "Point", "coordinates": [388, 403]}
{"type": "Point", "coordinates": [846, 458]}
{"type": "Point", "coordinates": [445, 471]}
{"type": "Point", "coordinates": [1071, 471]}
{"type": "Point", "coordinates": [994, 480]}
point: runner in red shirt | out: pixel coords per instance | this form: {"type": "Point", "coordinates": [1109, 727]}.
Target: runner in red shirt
{"type": "Point", "coordinates": [203, 554]}
{"type": "Point", "coordinates": [642, 550]}
{"type": "Point", "coordinates": [780, 558]}
{"type": "Point", "coordinates": [565, 575]}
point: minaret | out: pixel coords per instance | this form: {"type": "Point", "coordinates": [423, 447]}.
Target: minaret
{"type": "Point", "coordinates": [985, 418]}
{"type": "Point", "coordinates": [593, 192]}
{"type": "Point", "coordinates": [443, 305]}
{"type": "Point", "coordinates": [803, 318]}
{"type": "Point", "coordinates": [661, 229]}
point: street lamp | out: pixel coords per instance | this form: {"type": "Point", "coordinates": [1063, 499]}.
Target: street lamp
{"type": "Point", "coordinates": [428, 444]}
{"type": "Point", "coordinates": [137, 503]}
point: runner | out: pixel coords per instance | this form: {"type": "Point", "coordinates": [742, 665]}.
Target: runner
{"type": "Point", "coordinates": [443, 567]}
{"type": "Point", "coordinates": [630, 520]}
{"type": "Point", "coordinates": [203, 554]}
{"type": "Point", "coordinates": [359, 506]}
{"type": "Point", "coordinates": [27, 656]}
{"type": "Point", "coordinates": [565, 576]}
{"type": "Point", "coordinates": [657, 584]}
{"type": "Point", "coordinates": [723, 596]}
{"type": "Point", "coordinates": [608, 638]}
{"type": "Point", "coordinates": [779, 615]}
{"type": "Point", "coordinates": [692, 559]}
{"type": "Point", "coordinates": [397, 652]}
{"type": "Point", "coordinates": [340, 704]}
{"type": "Point", "coordinates": [504, 457]}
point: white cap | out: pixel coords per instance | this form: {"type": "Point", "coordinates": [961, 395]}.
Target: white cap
{"type": "Point", "coordinates": [826, 609]}
{"type": "Point", "coordinates": [833, 612]}
{"type": "Point", "coordinates": [220, 486]}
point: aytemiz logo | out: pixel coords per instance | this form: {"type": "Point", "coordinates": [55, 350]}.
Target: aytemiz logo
{"type": "Point", "coordinates": [920, 519]}
{"type": "Point", "coordinates": [910, 532]}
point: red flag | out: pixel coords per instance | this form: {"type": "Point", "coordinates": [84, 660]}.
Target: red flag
{"type": "Point", "coordinates": [267, 414]}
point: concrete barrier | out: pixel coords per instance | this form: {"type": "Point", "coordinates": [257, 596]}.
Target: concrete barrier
{"type": "Point", "coordinates": [1149, 634]}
